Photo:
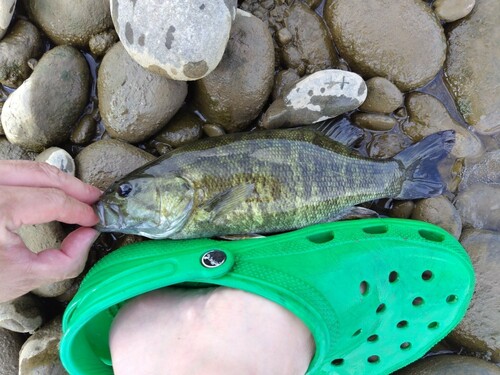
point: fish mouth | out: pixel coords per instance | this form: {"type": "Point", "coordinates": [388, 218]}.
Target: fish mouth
{"type": "Point", "coordinates": [110, 217]}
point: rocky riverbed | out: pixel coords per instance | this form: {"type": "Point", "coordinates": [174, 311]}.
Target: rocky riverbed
{"type": "Point", "coordinates": [99, 88]}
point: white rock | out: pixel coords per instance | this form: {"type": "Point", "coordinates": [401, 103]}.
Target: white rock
{"type": "Point", "coordinates": [452, 10]}
{"type": "Point", "coordinates": [59, 158]}
{"type": "Point", "coordinates": [7, 8]}
{"type": "Point", "coordinates": [183, 40]}
{"type": "Point", "coordinates": [317, 97]}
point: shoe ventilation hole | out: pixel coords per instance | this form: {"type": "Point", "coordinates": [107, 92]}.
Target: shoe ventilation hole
{"type": "Point", "coordinates": [363, 288]}
{"type": "Point", "coordinates": [321, 237]}
{"type": "Point", "coordinates": [426, 275]}
{"type": "Point", "coordinates": [431, 235]}
{"type": "Point", "coordinates": [393, 276]}
{"type": "Point", "coordinates": [374, 359]}
{"type": "Point", "coordinates": [402, 324]}
{"type": "Point", "coordinates": [451, 298]}
{"type": "Point", "coordinates": [433, 325]}
{"type": "Point", "coordinates": [338, 362]}
{"type": "Point", "coordinates": [380, 308]}
{"type": "Point", "coordinates": [405, 346]}
{"type": "Point", "coordinates": [376, 229]}
{"type": "Point", "coordinates": [418, 301]}
{"type": "Point", "coordinates": [373, 338]}
{"type": "Point", "coordinates": [357, 333]}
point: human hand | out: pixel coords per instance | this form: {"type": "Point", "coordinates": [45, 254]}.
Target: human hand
{"type": "Point", "coordinates": [36, 193]}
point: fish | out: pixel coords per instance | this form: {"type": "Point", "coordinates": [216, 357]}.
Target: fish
{"type": "Point", "coordinates": [264, 182]}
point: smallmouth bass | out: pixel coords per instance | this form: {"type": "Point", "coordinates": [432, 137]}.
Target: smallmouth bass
{"type": "Point", "coordinates": [263, 182]}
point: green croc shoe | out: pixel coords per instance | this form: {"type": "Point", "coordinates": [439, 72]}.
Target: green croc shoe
{"type": "Point", "coordinates": [376, 294]}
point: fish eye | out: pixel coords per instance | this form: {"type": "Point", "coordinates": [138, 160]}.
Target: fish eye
{"type": "Point", "coordinates": [124, 190]}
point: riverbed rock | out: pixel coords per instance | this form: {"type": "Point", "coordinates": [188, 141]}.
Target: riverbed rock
{"type": "Point", "coordinates": [428, 115]}
{"type": "Point", "coordinates": [135, 103]}
{"type": "Point", "coordinates": [386, 145]}
{"type": "Point", "coordinates": [377, 41]}
{"type": "Point", "coordinates": [374, 121]}
{"type": "Point", "coordinates": [479, 331]}
{"type": "Point", "coordinates": [23, 314]}
{"type": "Point", "coordinates": [383, 96]}
{"type": "Point", "coordinates": [235, 92]}
{"type": "Point", "coordinates": [103, 162]}
{"type": "Point", "coordinates": [70, 22]}
{"type": "Point", "coordinates": [41, 112]}
{"type": "Point", "coordinates": [182, 40]}
{"type": "Point", "coordinates": [84, 131]}
{"type": "Point", "coordinates": [453, 10]}
{"type": "Point", "coordinates": [474, 81]}
{"type": "Point", "coordinates": [11, 343]}
{"type": "Point", "coordinates": [7, 8]}
{"type": "Point", "coordinates": [184, 128]}
{"type": "Point", "coordinates": [439, 211]}
{"type": "Point", "coordinates": [317, 97]}
{"type": "Point", "coordinates": [479, 206]}
{"type": "Point", "coordinates": [100, 43]}
{"type": "Point", "coordinates": [59, 158]}
{"type": "Point", "coordinates": [486, 170]}
{"type": "Point", "coordinates": [40, 353]}
{"type": "Point", "coordinates": [283, 81]}
{"type": "Point", "coordinates": [450, 365]}
{"type": "Point", "coordinates": [8, 151]}
{"type": "Point", "coordinates": [306, 45]}
{"type": "Point", "coordinates": [21, 44]}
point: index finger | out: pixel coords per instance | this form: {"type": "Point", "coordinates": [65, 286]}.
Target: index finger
{"type": "Point", "coordinates": [42, 175]}
{"type": "Point", "coordinates": [24, 206]}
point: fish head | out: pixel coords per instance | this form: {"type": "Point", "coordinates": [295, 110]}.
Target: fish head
{"type": "Point", "coordinates": [148, 206]}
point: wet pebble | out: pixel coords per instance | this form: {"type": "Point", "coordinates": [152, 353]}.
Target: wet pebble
{"type": "Point", "coordinates": [402, 209]}
{"type": "Point", "coordinates": [213, 130]}
{"type": "Point", "coordinates": [235, 92]}
{"type": "Point", "coordinates": [59, 158]}
{"type": "Point", "coordinates": [450, 365]}
{"type": "Point", "coordinates": [377, 41]}
{"type": "Point", "coordinates": [453, 10]}
{"type": "Point", "coordinates": [305, 42]}
{"type": "Point", "coordinates": [178, 39]}
{"type": "Point", "coordinates": [41, 112]}
{"type": "Point", "coordinates": [103, 162]}
{"type": "Point", "coordinates": [184, 128]}
{"type": "Point", "coordinates": [317, 97]}
{"type": "Point", "coordinates": [11, 343]}
{"type": "Point", "coordinates": [129, 97]}
{"type": "Point", "coordinates": [386, 145]}
{"type": "Point", "coordinates": [439, 211]}
{"type": "Point", "coordinates": [23, 314]}
{"type": "Point", "coordinates": [7, 8]}
{"type": "Point", "coordinates": [474, 81]}
{"type": "Point", "coordinates": [19, 46]}
{"type": "Point", "coordinates": [374, 121]}
{"type": "Point", "coordinates": [479, 206]}
{"type": "Point", "coordinates": [40, 353]}
{"type": "Point", "coordinates": [383, 96]}
{"type": "Point", "coordinates": [486, 170]}
{"type": "Point", "coordinates": [427, 115]}
{"type": "Point", "coordinates": [84, 131]}
{"type": "Point", "coordinates": [479, 331]}
{"type": "Point", "coordinates": [73, 22]}
{"type": "Point", "coordinates": [283, 82]}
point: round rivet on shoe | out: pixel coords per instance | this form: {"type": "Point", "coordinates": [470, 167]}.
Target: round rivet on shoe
{"type": "Point", "coordinates": [213, 258]}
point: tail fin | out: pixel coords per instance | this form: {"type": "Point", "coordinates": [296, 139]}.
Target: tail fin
{"type": "Point", "coordinates": [422, 178]}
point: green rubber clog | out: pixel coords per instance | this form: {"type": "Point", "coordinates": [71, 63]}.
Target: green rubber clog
{"type": "Point", "coordinates": [376, 294]}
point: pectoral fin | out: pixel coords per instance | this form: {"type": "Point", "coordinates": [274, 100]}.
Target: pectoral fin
{"type": "Point", "coordinates": [226, 201]}
{"type": "Point", "coordinates": [353, 213]}
{"type": "Point", "coordinates": [237, 237]}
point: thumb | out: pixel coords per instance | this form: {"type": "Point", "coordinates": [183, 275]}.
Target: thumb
{"type": "Point", "coordinates": [69, 261]}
